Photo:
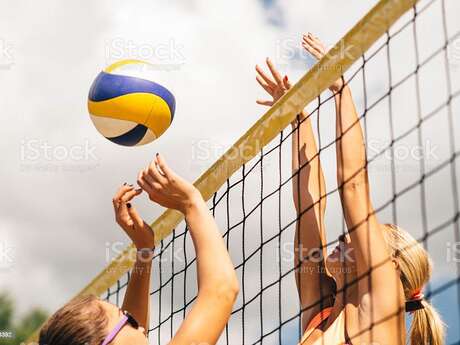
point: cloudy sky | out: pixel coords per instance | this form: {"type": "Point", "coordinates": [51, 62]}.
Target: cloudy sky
{"type": "Point", "coordinates": [59, 174]}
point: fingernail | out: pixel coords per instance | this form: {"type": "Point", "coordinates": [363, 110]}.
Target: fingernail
{"type": "Point", "coordinates": [128, 205]}
{"type": "Point", "coordinates": [124, 184]}
{"type": "Point", "coordinates": [131, 185]}
{"type": "Point", "coordinates": [158, 154]}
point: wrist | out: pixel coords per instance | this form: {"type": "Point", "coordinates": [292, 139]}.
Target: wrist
{"type": "Point", "coordinates": [336, 89]}
{"type": "Point", "coordinates": [298, 119]}
{"type": "Point", "coordinates": [145, 255]}
{"type": "Point", "coordinates": [193, 201]}
{"type": "Point", "coordinates": [146, 246]}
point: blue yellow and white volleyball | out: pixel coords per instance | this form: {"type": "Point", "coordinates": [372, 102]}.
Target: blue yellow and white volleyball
{"type": "Point", "coordinates": [128, 108]}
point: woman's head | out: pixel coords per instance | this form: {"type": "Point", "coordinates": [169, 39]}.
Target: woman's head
{"type": "Point", "coordinates": [414, 266]}
{"type": "Point", "coordinates": [88, 320]}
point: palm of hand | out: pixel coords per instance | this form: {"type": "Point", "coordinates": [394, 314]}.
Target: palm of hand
{"type": "Point", "coordinates": [276, 86]}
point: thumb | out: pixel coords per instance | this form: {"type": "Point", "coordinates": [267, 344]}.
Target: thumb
{"type": "Point", "coordinates": [137, 220]}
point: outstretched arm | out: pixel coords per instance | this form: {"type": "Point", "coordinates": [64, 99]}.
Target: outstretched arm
{"type": "Point", "coordinates": [380, 292]}
{"type": "Point", "coordinates": [136, 300]}
{"type": "Point", "coordinates": [217, 282]}
{"type": "Point", "coordinates": [309, 192]}
{"type": "Point", "coordinates": [313, 284]}
{"type": "Point", "coordinates": [379, 286]}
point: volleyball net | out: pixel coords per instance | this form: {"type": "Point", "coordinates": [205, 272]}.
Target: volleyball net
{"type": "Point", "coordinates": [402, 62]}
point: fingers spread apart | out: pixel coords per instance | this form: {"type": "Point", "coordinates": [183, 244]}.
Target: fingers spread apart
{"type": "Point", "coordinates": [275, 73]}
{"type": "Point", "coordinates": [265, 86]}
{"type": "Point", "coordinates": [269, 81]}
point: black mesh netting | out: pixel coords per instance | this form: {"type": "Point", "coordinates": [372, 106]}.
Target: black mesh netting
{"type": "Point", "coordinates": [406, 90]}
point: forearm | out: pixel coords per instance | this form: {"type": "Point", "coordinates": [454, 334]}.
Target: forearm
{"type": "Point", "coordinates": [217, 282]}
{"type": "Point", "coordinates": [352, 178]}
{"type": "Point", "coordinates": [214, 267]}
{"type": "Point", "coordinates": [295, 126]}
{"type": "Point", "coordinates": [137, 300]}
{"type": "Point", "coordinates": [308, 194]}
{"type": "Point", "coordinates": [351, 151]}
{"type": "Point", "coordinates": [310, 180]}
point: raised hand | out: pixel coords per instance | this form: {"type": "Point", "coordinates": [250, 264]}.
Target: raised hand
{"type": "Point", "coordinates": [129, 220]}
{"type": "Point", "coordinates": [276, 85]}
{"type": "Point", "coordinates": [317, 49]}
{"type": "Point", "coordinates": [166, 188]}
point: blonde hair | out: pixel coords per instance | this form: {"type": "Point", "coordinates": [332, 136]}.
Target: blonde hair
{"type": "Point", "coordinates": [415, 271]}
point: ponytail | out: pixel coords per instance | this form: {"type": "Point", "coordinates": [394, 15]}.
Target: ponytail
{"type": "Point", "coordinates": [427, 326]}
{"type": "Point", "coordinates": [415, 271]}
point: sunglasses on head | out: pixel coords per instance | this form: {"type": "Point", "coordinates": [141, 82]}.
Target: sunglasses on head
{"type": "Point", "coordinates": [127, 318]}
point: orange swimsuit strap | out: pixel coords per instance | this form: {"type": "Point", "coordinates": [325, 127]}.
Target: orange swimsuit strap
{"type": "Point", "coordinates": [319, 319]}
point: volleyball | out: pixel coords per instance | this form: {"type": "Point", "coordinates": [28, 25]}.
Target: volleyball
{"type": "Point", "coordinates": [128, 108]}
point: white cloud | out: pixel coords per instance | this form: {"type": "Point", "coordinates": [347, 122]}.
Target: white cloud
{"type": "Point", "coordinates": [61, 220]}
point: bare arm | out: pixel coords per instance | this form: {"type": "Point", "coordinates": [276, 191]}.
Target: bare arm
{"type": "Point", "coordinates": [217, 282]}
{"type": "Point", "coordinates": [352, 179]}
{"type": "Point", "coordinates": [137, 295]}
{"type": "Point", "coordinates": [380, 295]}
{"type": "Point", "coordinates": [136, 300]}
{"type": "Point", "coordinates": [313, 284]}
